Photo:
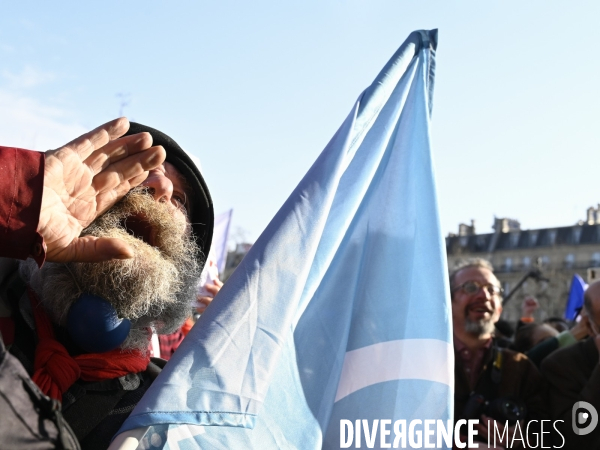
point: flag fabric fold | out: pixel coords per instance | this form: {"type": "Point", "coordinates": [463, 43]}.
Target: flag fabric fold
{"type": "Point", "coordinates": [340, 310]}
{"type": "Point", "coordinates": [575, 300]}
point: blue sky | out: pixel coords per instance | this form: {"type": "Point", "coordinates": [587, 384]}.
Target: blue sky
{"type": "Point", "coordinates": [256, 90]}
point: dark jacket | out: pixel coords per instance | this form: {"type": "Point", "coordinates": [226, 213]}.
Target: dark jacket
{"type": "Point", "coordinates": [517, 379]}
{"type": "Point", "coordinates": [94, 410]}
{"type": "Point", "coordinates": [30, 420]}
{"type": "Point", "coordinates": [573, 374]}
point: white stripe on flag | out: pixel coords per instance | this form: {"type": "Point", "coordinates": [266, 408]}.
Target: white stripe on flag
{"type": "Point", "coordinates": [181, 433]}
{"type": "Point", "coordinates": [420, 359]}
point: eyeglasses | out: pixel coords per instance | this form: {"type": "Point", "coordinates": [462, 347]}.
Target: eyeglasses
{"type": "Point", "coordinates": [473, 287]}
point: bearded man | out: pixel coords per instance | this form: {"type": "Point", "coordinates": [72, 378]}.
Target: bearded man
{"type": "Point", "coordinates": [123, 227]}
{"type": "Point", "coordinates": [492, 384]}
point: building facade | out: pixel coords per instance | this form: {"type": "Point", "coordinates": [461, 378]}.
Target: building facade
{"type": "Point", "coordinates": [558, 253]}
{"type": "Point", "coordinates": [234, 258]}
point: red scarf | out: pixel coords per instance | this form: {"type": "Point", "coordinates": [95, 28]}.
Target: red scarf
{"type": "Point", "coordinates": [55, 370]}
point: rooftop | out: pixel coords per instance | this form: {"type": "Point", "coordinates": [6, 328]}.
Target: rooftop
{"type": "Point", "coordinates": [508, 235]}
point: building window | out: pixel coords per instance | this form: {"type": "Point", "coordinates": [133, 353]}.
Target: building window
{"type": "Point", "coordinates": [569, 260]}
{"type": "Point", "coordinates": [596, 259]}
{"type": "Point", "coordinates": [551, 237]}
{"type": "Point", "coordinates": [480, 243]}
{"type": "Point", "coordinates": [508, 264]}
{"type": "Point", "coordinates": [576, 235]}
{"type": "Point", "coordinates": [514, 239]}
{"type": "Point", "coordinates": [527, 262]}
{"type": "Point", "coordinates": [533, 235]}
{"type": "Point", "coordinates": [464, 240]}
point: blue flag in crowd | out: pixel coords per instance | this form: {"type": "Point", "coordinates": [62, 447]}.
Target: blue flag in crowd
{"type": "Point", "coordinates": [575, 300]}
{"type": "Point", "coordinates": [341, 310]}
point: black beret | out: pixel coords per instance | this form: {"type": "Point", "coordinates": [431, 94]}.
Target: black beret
{"type": "Point", "coordinates": [203, 216]}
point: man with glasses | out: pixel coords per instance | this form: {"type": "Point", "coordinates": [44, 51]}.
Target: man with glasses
{"type": "Point", "coordinates": [573, 374]}
{"type": "Point", "coordinates": [491, 384]}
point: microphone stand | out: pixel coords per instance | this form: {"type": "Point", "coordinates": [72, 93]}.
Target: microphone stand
{"type": "Point", "coordinates": [536, 274]}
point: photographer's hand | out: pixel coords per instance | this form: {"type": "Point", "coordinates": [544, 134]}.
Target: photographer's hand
{"type": "Point", "coordinates": [498, 429]}
{"type": "Point", "coordinates": [480, 445]}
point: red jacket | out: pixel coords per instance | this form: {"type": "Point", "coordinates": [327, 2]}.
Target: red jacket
{"type": "Point", "coordinates": [99, 408]}
{"type": "Point", "coordinates": [21, 186]}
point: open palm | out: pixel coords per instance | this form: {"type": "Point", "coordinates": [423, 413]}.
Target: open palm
{"type": "Point", "coordinates": [82, 180]}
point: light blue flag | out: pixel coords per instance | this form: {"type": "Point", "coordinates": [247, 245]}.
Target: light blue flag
{"type": "Point", "coordinates": [340, 311]}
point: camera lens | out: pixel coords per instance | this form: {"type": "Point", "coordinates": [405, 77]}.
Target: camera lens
{"type": "Point", "coordinates": [506, 409]}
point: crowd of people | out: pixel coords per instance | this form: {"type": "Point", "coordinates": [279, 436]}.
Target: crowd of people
{"type": "Point", "coordinates": [102, 245]}
{"type": "Point", "coordinates": [524, 388]}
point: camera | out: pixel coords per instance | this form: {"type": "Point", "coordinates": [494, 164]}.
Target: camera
{"type": "Point", "coordinates": [502, 409]}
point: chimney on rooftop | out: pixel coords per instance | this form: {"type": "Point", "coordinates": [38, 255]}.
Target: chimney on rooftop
{"type": "Point", "coordinates": [505, 225]}
{"type": "Point", "coordinates": [591, 215]}
{"type": "Point", "coordinates": [466, 230]}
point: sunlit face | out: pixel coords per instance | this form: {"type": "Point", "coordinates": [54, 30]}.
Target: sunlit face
{"type": "Point", "coordinates": [166, 184]}
{"type": "Point", "coordinates": [476, 312]}
{"type": "Point", "coordinates": [154, 288]}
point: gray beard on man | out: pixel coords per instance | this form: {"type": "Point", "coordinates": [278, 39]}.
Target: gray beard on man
{"type": "Point", "coordinates": [478, 327]}
{"type": "Point", "coordinates": [155, 288]}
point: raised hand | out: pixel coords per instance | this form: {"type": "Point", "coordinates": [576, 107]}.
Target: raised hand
{"type": "Point", "coordinates": [82, 180]}
{"type": "Point", "coordinates": [529, 306]}
{"type": "Point", "coordinates": [581, 329]}
{"type": "Point", "coordinates": [205, 300]}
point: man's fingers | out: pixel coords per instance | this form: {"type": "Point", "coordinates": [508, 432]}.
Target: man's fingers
{"type": "Point", "coordinates": [116, 127]}
{"type": "Point", "coordinates": [489, 421]}
{"type": "Point", "coordinates": [106, 249]}
{"type": "Point", "coordinates": [482, 429]}
{"type": "Point", "coordinates": [116, 150]}
{"type": "Point", "coordinates": [202, 303]}
{"type": "Point", "coordinates": [212, 288]}
{"type": "Point", "coordinates": [92, 249]}
{"type": "Point", "coordinates": [136, 181]}
{"type": "Point", "coordinates": [99, 137]}
{"type": "Point", "coordinates": [128, 168]}
{"type": "Point", "coordinates": [204, 299]}
{"type": "Point", "coordinates": [106, 199]}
